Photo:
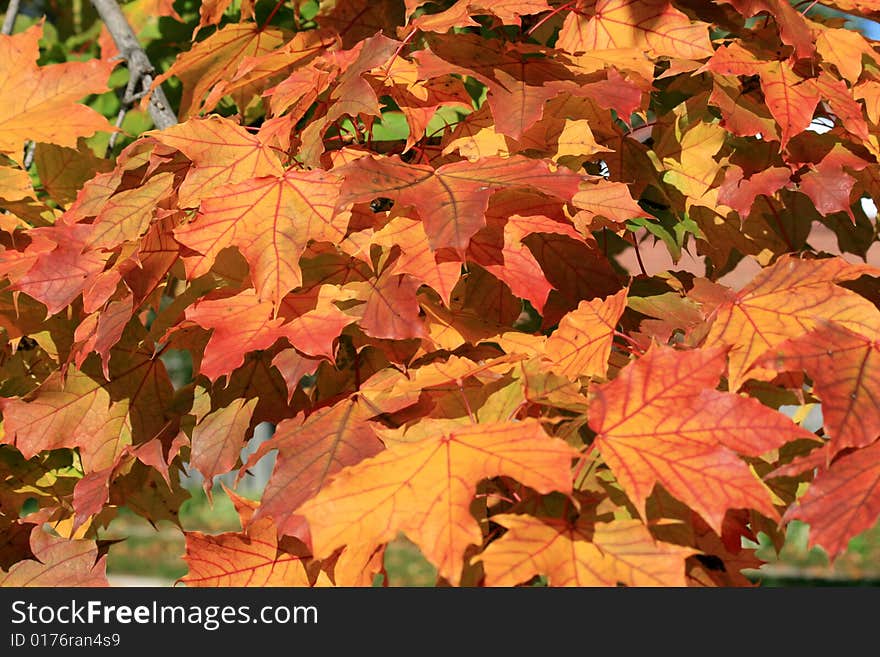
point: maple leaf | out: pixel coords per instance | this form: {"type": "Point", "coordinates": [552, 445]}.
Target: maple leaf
{"type": "Point", "coordinates": [424, 489]}
{"type": "Point", "coordinates": [508, 12]}
{"type": "Point", "coordinates": [256, 379]}
{"type": "Point", "coordinates": [352, 94]}
{"type": "Point", "coordinates": [157, 252]}
{"type": "Point", "coordinates": [239, 324]}
{"type": "Point", "coordinates": [438, 269]}
{"type": "Point", "coordinates": [583, 554]}
{"type": "Point", "coordinates": [79, 409]}
{"type": "Point", "coordinates": [315, 321]}
{"type": "Point", "coordinates": [829, 191]}
{"type": "Point", "coordinates": [662, 421]}
{"type": "Point", "coordinates": [293, 367]}
{"type": "Point", "coordinates": [553, 136]}
{"type": "Point", "coordinates": [100, 331]}
{"type": "Point", "coordinates": [356, 20]}
{"type": "Point", "coordinates": [73, 411]}
{"type": "Point", "coordinates": [58, 562]}
{"type": "Point", "coordinates": [257, 72]}
{"type": "Point", "coordinates": [222, 152]}
{"type": "Point", "coordinates": [792, 25]}
{"type": "Point", "coordinates": [271, 220]}
{"type": "Point", "coordinates": [127, 215]}
{"type": "Point", "coordinates": [311, 450]}
{"type": "Point", "coordinates": [216, 58]}
{"type": "Point", "coordinates": [845, 368]}
{"type": "Point", "coordinates": [452, 199]}
{"type": "Point", "coordinates": [218, 438]}
{"type": "Point", "coordinates": [419, 101]}
{"type": "Point", "coordinates": [498, 247]}
{"type": "Point", "coordinates": [63, 171]}
{"type": "Point", "coordinates": [740, 193]}
{"type": "Point", "coordinates": [53, 268]}
{"type": "Point", "coordinates": [138, 376]}
{"type": "Point", "coordinates": [391, 310]}
{"type": "Point", "coordinates": [842, 104]}
{"type": "Point", "coordinates": [842, 501]}
{"type": "Point", "coordinates": [15, 184]}
{"type": "Point", "coordinates": [784, 301]}
{"type": "Point", "coordinates": [611, 200]}
{"type": "Point", "coordinates": [40, 103]}
{"type": "Point", "coordinates": [90, 495]}
{"type": "Point", "coordinates": [743, 113]}
{"type": "Point", "coordinates": [581, 345]}
{"type": "Point", "coordinates": [516, 75]}
{"type": "Point", "coordinates": [250, 558]}
{"type": "Point", "coordinates": [654, 26]}
{"type": "Point", "coordinates": [691, 167]}
{"type": "Point", "coordinates": [790, 99]}
{"type": "Point", "coordinates": [211, 11]}
{"type": "Point", "coordinates": [845, 49]}
{"type": "Point", "coordinates": [575, 270]}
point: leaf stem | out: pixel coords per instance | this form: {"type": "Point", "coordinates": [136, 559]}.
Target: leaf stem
{"type": "Point", "coordinates": [783, 233]}
{"type": "Point", "coordinates": [629, 341]}
{"type": "Point", "coordinates": [546, 18]}
{"type": "Point", "coordinates": [811, 5]}
{"type": "Point", "coordinates": [400, 48]}
{"type": "Point", "coordinates": [357, 370]}
{"type": "Point", "coordinates": [635, 243]}
{"type": "Point", "coordinates": [467, 404]}
{"type": "Point", "coordinates": [271, 15]}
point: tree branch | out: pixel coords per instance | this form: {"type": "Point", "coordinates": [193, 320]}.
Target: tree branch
{"type": "Point", "coordinates": [9, 18]}
{"type": "Point", "coordinates": [139, 66]}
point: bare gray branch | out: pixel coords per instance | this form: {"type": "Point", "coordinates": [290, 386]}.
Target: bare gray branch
{"type": "Point", "coordinates": [9, 18]}
{"type": "Point", "coordinates": [139, 66]}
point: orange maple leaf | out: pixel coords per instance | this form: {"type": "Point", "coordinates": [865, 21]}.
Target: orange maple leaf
{"type": "Point", "coordinates": [60, 562]}
{"type": "Point", "coordinates": [218, 437]}
{"type": "Point", "coordinates": [271, 220]}
{"type": "Point", "coordinates": [249, 558]}
{"type": "Point", "coordinates": [583, 554]}
{"type": "Point", "coordinates": [216, 59]}
{"type": "Point", "coordinates": [221, 151]}
{"type": "Point", "coordinates": [662, 421]}
{"type": "Point", "coordinates": [581, 345]}
{"type": "Point", "coordinates": [311, 450]}
{"type": "Point", "coordinates": [793, 26]}
{"type": "Point", "coordinates": [784, 301]}
{"type": "Point", "coordinates": [425, 489]}
{"type": "Point", "coordinates": [70, 411]}
{"type": "Point", "coordinates": [842, 501]}
{"type": "Point", "coordinates": [654, 26]}
{"type": "Point", "coordinates": [240, 324]}
{"type": "Point", "coordinates": [790, 98]}
{"type": "Point", "coordinates": [520, 78]}
{"type": "Point", "coordinates": [437, 269]}
{"type": "Point", "coordinates": [40, 102]}
{"type": "Point", "coordinates": [452, 199]}
{"type": "Point", "coordinates": [845, 368]}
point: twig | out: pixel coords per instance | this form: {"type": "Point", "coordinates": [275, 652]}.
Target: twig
{"type": "Point", "coordinates": [139, 66]}
{"type": "Point", "coordinates": [9, 18]}
{"type": "Point", "coordinates": [635, 243]}
{"type": "Point", "coordinates": [128, 98]}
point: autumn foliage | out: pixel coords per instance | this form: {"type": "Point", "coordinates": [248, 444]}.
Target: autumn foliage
{"type": "Point", "coordinates": [397, 230]}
